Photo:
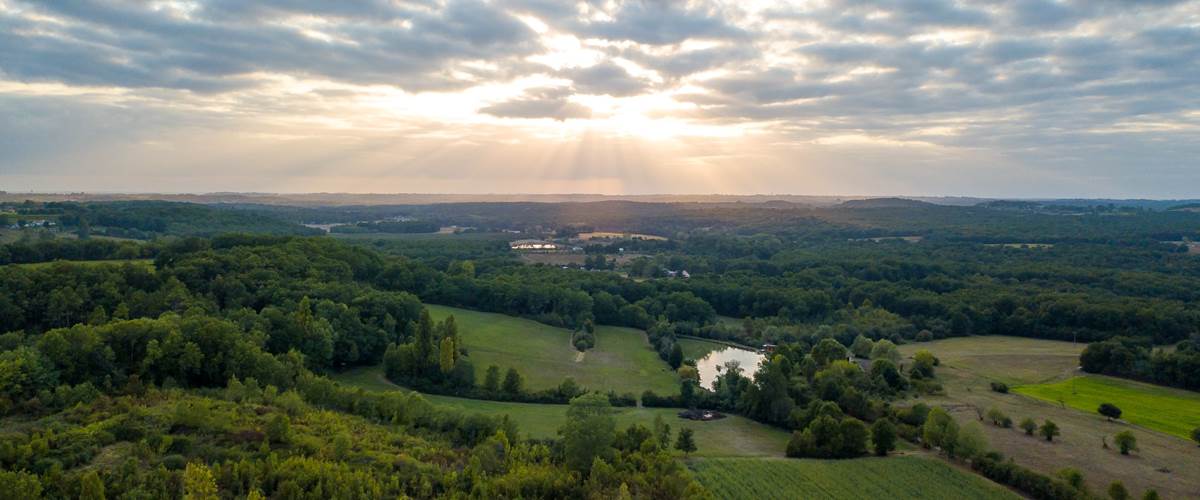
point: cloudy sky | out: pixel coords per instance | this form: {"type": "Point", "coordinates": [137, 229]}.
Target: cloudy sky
{"type": "Point", "coordinates": [1097, 98]}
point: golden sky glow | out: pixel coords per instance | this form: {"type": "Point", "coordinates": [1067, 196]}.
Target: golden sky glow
{"type": "Point", "coordinates": [1021, 98]}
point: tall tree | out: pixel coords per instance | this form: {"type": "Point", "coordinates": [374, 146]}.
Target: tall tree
{"type": "Point", "coordinates": [589, 431]}
{"type": "Point", "coordinates": [685, 442]}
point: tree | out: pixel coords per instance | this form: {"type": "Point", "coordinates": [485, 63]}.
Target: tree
{"type": "Point", "coordinates": [1117, 491]}
{"type": "Point", "coordinates": [1049, 430]}
{"type": "Point", "coordinates": [1126, 442]}
{"type": "Point", "coordinates": [279, 428]}
{"type": "Point", "coordinates": [1109, 410]}
{"type": "Point", "coordinates": [688, 372]}
{"type": "Point", "coordinates": [971, 441]}
{"type": "Point", "coordinates": [854, 438]}
{"type": "Point", "coordinates": [885, 349]}
{"type": "Point", "coordinates": [491, 381]}
{"type": "Point", "coordinates": [675, 359]}
{"type": "Point", "coordinates": [1072, 477]}
{"type": "Point", "coordinates": [513, 384]}
{"type": "Point", "coordinates": [996, 416]}
{"type": "Point", "coordinates": [1029, 426]}
{"type": "Point", "coordinates": [90, 487]}
{"type": "Point", "coordinates": [662, 431]}
{"type": "Point", "coordinates": [446, 352]}
{"type": "Point", "coordinates": [883, 436]}
{"type": "Point", "coordinates": [198, 483]}
{"type": "Point", "coordinates": [862, 346]}
{"type": "Point", "coordinates": [827, 351]}
{"type": "Point", "coordinates": [589, 432]}
{"type": "Point", "coordinates": [940, 430]}
{"type": "Point", "coordinates": [685, 442]}
{"type": "Point", "coordinates": [923, 363]}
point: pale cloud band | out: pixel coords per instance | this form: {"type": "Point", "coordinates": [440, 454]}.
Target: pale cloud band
{"type": "Point", "coordinates": [993, 98]}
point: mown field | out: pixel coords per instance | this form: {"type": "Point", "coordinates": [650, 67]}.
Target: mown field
{"type": "Point", "coordinates": [729, 437]}
{"type": "Point", "coordinates": [1173, 411]}
{"type": "Point", "coordinates": [893, 477]}
{"type": "Point", "coordinates": [968, 366]}
{"type": "Point", "coordinates": [621, 361]}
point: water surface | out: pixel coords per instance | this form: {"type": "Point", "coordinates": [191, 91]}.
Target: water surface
{"type": "Point", "coordinates": [712, 365]}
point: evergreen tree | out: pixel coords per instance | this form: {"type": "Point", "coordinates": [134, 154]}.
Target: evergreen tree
{"type": "Point", "coordinates": [675, 359]}
{"type": "Point", "coordinates": [513, 383]}
{"type": "Point", "coordinates": [491, 381]}
{"type": "Point", "coordinates": [685, 442]}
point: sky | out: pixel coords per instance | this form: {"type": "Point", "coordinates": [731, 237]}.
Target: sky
{"type": "Point", "coordinates": [993, 98]}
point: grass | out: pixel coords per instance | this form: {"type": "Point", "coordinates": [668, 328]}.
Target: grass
{"type": "Point", "coordinates": [893, 477]}
{"type": "Point", "coordinates": [968, 366]}
{"type": "Point", "coordinates": [729, 437]}
{"type": "Point", "coordinates": [1172, 411]}
{"type": "Point", "coordinates": [697, 349]}
{"type": "Point", "coordinates": [622, 360]}
{"type": "Point", "coordinates": [1012, 360]}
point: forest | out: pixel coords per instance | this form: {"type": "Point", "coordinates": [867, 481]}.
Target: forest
{"type": "Point", "coordinates": [199, 360]}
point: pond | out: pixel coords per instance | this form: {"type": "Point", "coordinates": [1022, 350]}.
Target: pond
{"type": "Point", "coordinates": [712, 364]}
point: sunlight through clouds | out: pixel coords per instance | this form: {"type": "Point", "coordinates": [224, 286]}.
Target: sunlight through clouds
{"type": "Point", "coordinates": [616, 96]}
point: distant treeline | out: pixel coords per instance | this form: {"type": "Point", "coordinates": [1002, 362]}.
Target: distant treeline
{"type": "Point", "coordinates": [1137, 359]}
{"type": "Point", "coordinates": [402, 227]}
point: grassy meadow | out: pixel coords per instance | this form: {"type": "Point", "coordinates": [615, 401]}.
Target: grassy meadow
{"type": "Point", "coordinates": [893, 477]}
{"type": "Point", "coordinates": [729, 437]}
{"type": "Point", "coordinates": [969, 365]}
{"type": "Point", "coordinates": [1173, 411]}
{"type": "Point", "coordinates": [622, 359]}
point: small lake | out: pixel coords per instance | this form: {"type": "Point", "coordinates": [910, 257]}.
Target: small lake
{"type": "Point", "coordinates": [712, 364]}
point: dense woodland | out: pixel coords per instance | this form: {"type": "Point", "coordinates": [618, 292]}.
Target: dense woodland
{"type": "Point", "coordinates": [199, 364]}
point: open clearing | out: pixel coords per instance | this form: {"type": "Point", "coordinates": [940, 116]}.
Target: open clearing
{"type": "Point", "coordinates": [893, 477]}
{"type": "Point", "coordinates": [728, 437]}
{"type": "Point", "coordinates": [1173, 411]}
{"type": "Point", "coordinates": [622, 360]}
{"type": "Point", "coordinates": [969, 364]}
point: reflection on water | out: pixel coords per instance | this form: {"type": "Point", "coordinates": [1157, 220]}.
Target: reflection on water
{"type": "Point", "coordinates": [713, 364]}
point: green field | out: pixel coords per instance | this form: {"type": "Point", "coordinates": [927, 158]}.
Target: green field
{"type": "Point", "coordinates": [696, 349]}
{"type": "Point", "coordinates": [729, 437]}
{"type": "Point", "coordinates": [1172, 411]}
{"type": "Point", "coordinates": [894, 477]}
{"type": "Point", "coordinates": [970, 364]}
{"type": "Point", "coordinates": [621, 361]}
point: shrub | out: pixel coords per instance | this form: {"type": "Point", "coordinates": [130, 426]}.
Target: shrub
{"type": "Point", "coordinates": [1126, 442]}
{"type": "Point", "coordinates": [1049, 430]}
{"type": "Point", "coordinates": [1029, 426]}
{"type": "Point", "coordinates": [1000, 387]}
{"type": "Point", "coordinates": [1109, 410]}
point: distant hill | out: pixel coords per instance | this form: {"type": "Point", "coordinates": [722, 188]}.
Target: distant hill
{"type": "Point", "coordinates": [885, 203]}
{"type": "Point", "coordinates": [1189, 207]}
{"type": "Point", "coordinates": [150, 219]}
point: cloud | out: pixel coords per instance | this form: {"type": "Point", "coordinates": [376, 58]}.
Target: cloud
{"type": "Point", "coordinates": [539, 103]}
{"type": "Point", "coordinates": [1060, 88]}
{"type": "Point", "coordinates": [606, 78]}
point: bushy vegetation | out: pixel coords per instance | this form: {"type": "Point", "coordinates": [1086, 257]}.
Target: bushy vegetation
{"type": "Point", "coordinates": [1132, 358]}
